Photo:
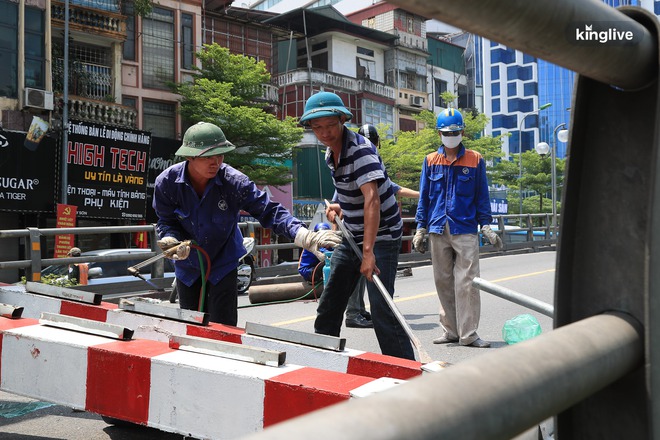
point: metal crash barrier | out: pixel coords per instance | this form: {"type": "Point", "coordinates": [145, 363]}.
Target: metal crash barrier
{"type": "Point", "coordinates": [598, 375]}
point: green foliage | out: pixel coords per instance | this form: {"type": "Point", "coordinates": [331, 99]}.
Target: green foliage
{"type": "Point", "coordinates": [536, 176]}
{"type": "Point", "coordinates": [55, 280]}
{"type": "Point", "coordinates": [404, 157]}
{"type": "Point", "coordinates": [224, 91]}
{"type": "Point", "coordinates": [142, 7]}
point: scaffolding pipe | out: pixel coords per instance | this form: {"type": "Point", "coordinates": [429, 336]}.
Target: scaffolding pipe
{"type": "Point", "coordinates": [502, 393]}
{"type": "Point", "coordinates": [547, 30]}
{"type": "Point", "coordinates": [514, 297]}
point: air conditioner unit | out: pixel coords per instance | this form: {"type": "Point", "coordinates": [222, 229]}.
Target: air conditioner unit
{"type": "Point", "coordinates": [416, 101]}
{"type": "Point", "coordinates": [38, 99]}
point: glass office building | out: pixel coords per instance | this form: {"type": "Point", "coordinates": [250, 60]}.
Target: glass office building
{"type": "Point", "coordinates": [516, 85]}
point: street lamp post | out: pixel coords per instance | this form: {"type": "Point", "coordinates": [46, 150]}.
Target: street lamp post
{"type": "Point", "coordinates": [543, 148]}
{"type": "Point", "coordinates": [520, 173]}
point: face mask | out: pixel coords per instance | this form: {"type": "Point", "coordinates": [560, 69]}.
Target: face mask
{"type": "Point", "coordinates": [451, 141]}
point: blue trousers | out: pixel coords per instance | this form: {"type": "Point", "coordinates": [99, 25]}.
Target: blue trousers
{"type": "Point", "coordinates": [344, 276]}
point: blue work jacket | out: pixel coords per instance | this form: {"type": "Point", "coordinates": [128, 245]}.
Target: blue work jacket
{"type": "Point", "coordinates": [212, 220]}
{"type": "Point", "coordinates": [453, 193]}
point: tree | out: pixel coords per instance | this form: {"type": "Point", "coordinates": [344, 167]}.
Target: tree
{"type": "Point", "coordinates": [536, 177]}
{"type": "Point", "coordinates": [403, 157]}
{"type": "Point", "coordinates": [225, 91]}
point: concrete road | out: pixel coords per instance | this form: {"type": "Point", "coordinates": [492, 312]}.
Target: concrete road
{"type": "Point", "coordinates": [531, 274]}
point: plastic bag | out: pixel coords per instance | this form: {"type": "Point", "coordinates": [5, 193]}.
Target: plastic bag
{"type": "Point", "coordinates": [520, 328]}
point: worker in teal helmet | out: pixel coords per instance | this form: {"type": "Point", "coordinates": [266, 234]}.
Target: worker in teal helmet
{"type": "Point", "coordinates": [366, 201]}
{"type": "Point", "coordinates": [200, 199]}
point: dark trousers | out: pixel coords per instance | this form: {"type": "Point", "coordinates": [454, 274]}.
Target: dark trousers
{"type": "Point", "coordinates": [344, 276]}
{"type": "Point", "coordinates": [221, 300]}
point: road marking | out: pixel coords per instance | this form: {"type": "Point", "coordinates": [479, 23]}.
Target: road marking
{"type": "Point", "coordinates": [422, 295]}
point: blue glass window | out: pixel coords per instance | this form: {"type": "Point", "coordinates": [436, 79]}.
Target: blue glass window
{"type": "Point", "coordinates": [512, 89]}
{"type": "Point", "coordinates": [521, 105]}
{"type": "Point", "coordinates": [495, 89]}
{"type": "Point", "coordinates": [530, 89]}
{"type": "Point", "coordinates": [504, 121]}
{"type": "Point", "coordinates": [494, 73]}
{"type": "Point", "coordinates": [495, 104]}
{"type": "Point", "coordinates": [506, 56]}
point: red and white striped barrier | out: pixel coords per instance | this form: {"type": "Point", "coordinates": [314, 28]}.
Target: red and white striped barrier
{"type": "Point", "coordinates": [148, 383]}
{"type": "Point", "coordinates": [154, 328]}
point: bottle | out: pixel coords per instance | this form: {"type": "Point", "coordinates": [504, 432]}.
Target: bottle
{"type": "Point", "coordinates": [520, 328]}
{"type": "Point", "coordinates": [326, 267]}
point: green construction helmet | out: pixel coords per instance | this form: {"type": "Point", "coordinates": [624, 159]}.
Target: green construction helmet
{"type": "Point", "coordinates": [204, 139]}
{"type": "Point", "coordinates": [322, 105]}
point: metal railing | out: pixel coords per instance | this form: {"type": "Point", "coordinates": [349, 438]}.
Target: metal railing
{"type": "Point", "coordinates": [514, 237]}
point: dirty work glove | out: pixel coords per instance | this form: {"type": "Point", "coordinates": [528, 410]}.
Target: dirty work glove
{"type": "Point", "coordinates": [418, 240]}
{"type": "Point", "coordinates": [173, 248]}
{"type": "Point", "coordinates": [492, 237]}
{"type": "Point", "coordinates": [312, 241]}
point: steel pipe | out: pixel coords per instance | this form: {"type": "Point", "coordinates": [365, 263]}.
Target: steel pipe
{"type": "Point", "coordinates": [514, 297]}
{"type": "Point", "coordinates": [546, 29]}
{"type": "Point", "coordinates": [502, 393]}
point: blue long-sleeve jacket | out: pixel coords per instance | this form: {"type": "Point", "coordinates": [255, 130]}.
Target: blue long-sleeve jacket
{"type": "Point", "coordinates": [454, 193]}
{"type": "Point", "coordinates": [212, 220]}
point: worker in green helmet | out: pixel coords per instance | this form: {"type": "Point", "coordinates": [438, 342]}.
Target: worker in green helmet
{"type": "Point", "coordinates": [200, 199]}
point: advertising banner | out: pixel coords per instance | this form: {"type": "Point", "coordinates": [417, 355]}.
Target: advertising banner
{"type": "Point", "coordinates": [107, 170]}
{"type": "Point", "coordinates": [27, 172]}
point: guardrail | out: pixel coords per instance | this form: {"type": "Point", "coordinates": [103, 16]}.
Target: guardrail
{"type": "Point", "coordinates": [532, 231]}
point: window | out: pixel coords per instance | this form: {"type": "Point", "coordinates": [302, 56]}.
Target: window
{"type": "Point", "coordinates": [187, 44]}
{"type": "Point", "coordinates": [506, 56]}
{"type": "Point", "coordinates": [129, 101]}
{"type": "Point", "coordinates": [8, 49]}
{"type": "Point", "coordinates": [375, 113]}
{"type": "Point", "coordinates": [495, 106]}
{"type": "Point", "coordinates": [34, 48]}
{"type": "Point", "coordinates": [495, 89]}
{"type": "Point", "coordinates": [159, 118]}
{"type": "Point", "coordinates": [128, 47]}
{"type": "Point", "coordinates": [440, 88]}
{"type": "Point", "coordinates": [366, 68]}
{"type": "Point", "coordinates": [494, 73]}
{"type": "Point", "coordinates": [365, 51]}
{"type": "Point", "coordinates": [319, 59]}
{"type": "Point", "coordinates": [158, 49]}
{"type": "Point", "coordinates": [512, 89]}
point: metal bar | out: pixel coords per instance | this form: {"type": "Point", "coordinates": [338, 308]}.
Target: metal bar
{"type": "Point", "coordinates": [502, 392]}
{"type": "Point", "coordinates": [296, 337]}
{"type": "Point", "coordinates": [86, 326]}
{"type": "Point", "coordinates": [148, 306]}
{"type": "Point", "coordinates": [424, 357]}
{"type": "Point", "coordinates": [228, 350]}
{"type": "Point", "coordinates": [545, 29]}
{"type": "Point", "coordinates": [63, 292]}
{"type": "Point", "coordinates": [514, 297]}
{"type": "Point", "coordinates": [10, 311]}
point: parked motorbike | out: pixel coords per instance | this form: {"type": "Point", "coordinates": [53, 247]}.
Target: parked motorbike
{"type": "Point", "coordinates": [246, 272]}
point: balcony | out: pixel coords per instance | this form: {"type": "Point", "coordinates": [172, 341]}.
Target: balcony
{"type": "Point", "coordinates": [334, 80]}
{"type": "Point", "coordinates": [100, 112]}
{"type": "Point", "coordinates": [99, 18]}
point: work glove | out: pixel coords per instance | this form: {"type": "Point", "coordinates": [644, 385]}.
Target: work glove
{"type": "Point", "coordinates": [492, 237]}
{"type": "Point", "coordinates": [418, 240]}
{"type": "Point", "coordinates": [173, 248]}
{"type": "Point", "coordinates": [312, 241]}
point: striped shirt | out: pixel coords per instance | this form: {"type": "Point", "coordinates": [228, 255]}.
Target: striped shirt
{"type": "Point", "coordinates": [358, 165]}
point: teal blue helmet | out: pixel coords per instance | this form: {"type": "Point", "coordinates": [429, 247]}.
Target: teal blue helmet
{"type": "Point", "coordinates": [450, 120]}
{"type": "Point", "coordinates": [322, 105]}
